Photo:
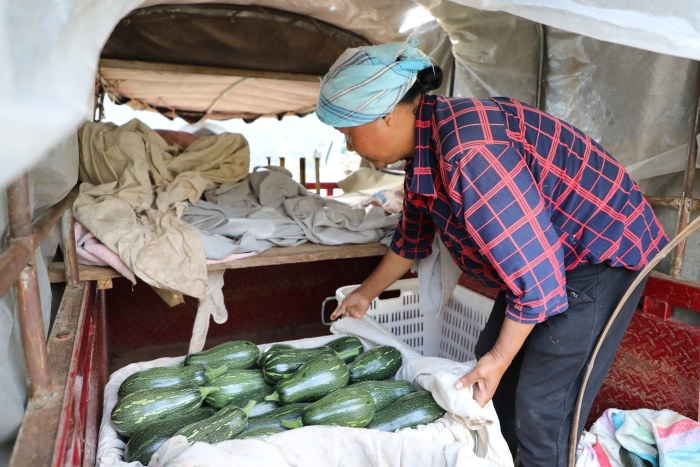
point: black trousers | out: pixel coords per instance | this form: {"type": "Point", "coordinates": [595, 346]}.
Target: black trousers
{"type": "Point", "coordinates": [537, 395]}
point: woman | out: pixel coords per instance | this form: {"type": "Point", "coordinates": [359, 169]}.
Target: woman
{"type": "Point", "coordinates": [524, 202]}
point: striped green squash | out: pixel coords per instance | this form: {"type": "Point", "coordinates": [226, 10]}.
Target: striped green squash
{"type": "Point", "coordinates": [384, 393]}
{"type": "Point", "coordinates": [349, 347]}
{"type": "Point", "coordinates": [377, 364]}
{"type": "Point", "coordinates": [272, 349]}
{"type": "Point", "coordinates": [164, 377]}
{"type": "Point", "coordinates": [274, 418]}
{"type": "Point", "coordinates": [225, 425]}
{"type": "Point", "coordinates": [351, 407]}
{"type": "Point", "coordinates": [146, 442]}
{"type": "Point", "coordinates": [283, 363]}
{"type": "Point", "coordinates": [412, 410]}
{"type": "Point", "coordinates": [261, 405]}
{"type": "Point", "coordinates": [235, 354]}
{"type": "Point", "coordinates": [235, 383]}
{"type": "Point", "coordinates": [260, 432]}
{"type": "Point", "coordinates": [139, 409]}
{"type": "Point", "coordinates": [315, 379]}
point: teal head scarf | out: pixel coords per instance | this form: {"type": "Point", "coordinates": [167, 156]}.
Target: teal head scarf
{"type": "Point", "coordinates": [366, 83]}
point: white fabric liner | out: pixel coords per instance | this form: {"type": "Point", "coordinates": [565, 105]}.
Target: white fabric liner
{"type": "Point", "coordinates": [197, 92]}
{"type": "Point", "coordinates": [449, 441]}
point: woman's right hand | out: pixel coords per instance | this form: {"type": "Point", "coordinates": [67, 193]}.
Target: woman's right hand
{"type": "Point", "coordinates": [355, 305]}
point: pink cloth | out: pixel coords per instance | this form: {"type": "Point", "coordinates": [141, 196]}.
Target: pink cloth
{"type": "Point", "coordinates": [390, 200]}
{"type": "Point", "coordinates": [231, 257]}
{"type": "Point", "coordinates": [92, 252]}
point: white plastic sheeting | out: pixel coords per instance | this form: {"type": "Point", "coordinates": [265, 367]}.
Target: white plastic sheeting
{"type": "Point", "coordinates": [495, 53]}
{"type": "Point", "coordinates": [671, 28]}
{"type": "Point", "coordinates": [49, 51]}
{"type": "Point", "coordinates": [48, 58]}
{"type": "Point", "coordinates": [49, 182]}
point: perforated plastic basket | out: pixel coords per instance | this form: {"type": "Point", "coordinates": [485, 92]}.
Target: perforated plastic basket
{"type": "Point", "coordinates": [451, 333]}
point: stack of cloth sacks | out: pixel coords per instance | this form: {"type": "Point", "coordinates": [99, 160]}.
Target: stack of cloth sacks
{"type": "Point", "coordinates": [141, 199]}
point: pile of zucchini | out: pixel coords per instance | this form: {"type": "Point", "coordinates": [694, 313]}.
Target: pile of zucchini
{"type": "Point", "coordinates": [233, 392]}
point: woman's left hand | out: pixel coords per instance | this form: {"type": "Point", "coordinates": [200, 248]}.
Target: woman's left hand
{"type": "Point", "coordinates": [485, 377]}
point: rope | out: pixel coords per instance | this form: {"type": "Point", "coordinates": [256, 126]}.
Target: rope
{"type": "Point", "coordinates": [573, 439]}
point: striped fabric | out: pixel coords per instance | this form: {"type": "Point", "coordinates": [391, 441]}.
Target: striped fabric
{"type": "Point", "coordinates": [519, 197]}
{"type": "Point", "coordinates": [662, 438]}
{"type": "Point", "coordinates": [366, 83]}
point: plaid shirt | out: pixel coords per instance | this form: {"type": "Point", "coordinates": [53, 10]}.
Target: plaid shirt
{"type": "Point", "coordinates": [519, 197]}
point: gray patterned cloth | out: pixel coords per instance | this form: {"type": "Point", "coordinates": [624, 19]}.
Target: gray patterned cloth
{"type": "Point", "coordinates": [270, 209]}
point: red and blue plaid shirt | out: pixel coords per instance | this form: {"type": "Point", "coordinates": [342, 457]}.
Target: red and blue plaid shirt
{"type": "Point", "coordinates": [519, 197]}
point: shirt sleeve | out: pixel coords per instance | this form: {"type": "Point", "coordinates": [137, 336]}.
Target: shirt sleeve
{"type": "Point", "coordinates": [494, 191]}
{"type": "Point", "coordinates": [415, 230]}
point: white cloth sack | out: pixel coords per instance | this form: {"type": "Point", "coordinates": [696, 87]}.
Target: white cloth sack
{"type": "Point", "coordinates": [438, 275]}
{"type": "Point", "coordinates": [449, 441]}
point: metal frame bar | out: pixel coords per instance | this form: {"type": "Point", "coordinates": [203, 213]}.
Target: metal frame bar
{"type": "Point", "coordinates": [541, 56]}
{"type": "Point", "coordinates": [28, 300]}
{"type": "Point", "coordinates": [17, 265]}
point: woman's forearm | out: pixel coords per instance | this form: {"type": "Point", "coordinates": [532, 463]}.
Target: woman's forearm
{"type": "Point", "coordinates": [390, 269]}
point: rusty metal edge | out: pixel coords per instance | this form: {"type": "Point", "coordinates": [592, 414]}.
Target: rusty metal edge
{"type": "Point", "coordinates": [685, 208]}
{"type": "Point", "coordinates": [87, 302]}
{"type": "Point", "coordinates": [29, 309]}
{"type": "Point", "coordinates": [13, 261]}
{"type": "Point", "coordinates": [20, 251]}
{"type": "Point", "coordinates": [44, 223]}
{"type": "Point", "coordinates": [41, 417]}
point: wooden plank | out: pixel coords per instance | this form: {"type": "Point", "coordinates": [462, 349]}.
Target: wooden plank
{"type": "Point", "coordinates": [86, 273]}
{"type": "Point", "coordinates": [40, 427]}
{"type": "Point", "coordinates": [307, 252]}
{"type": "Point", "coordinates": [204, 70]}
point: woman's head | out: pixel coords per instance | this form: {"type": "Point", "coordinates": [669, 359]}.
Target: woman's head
{"type": "Point", "coordinates": [371, 95]}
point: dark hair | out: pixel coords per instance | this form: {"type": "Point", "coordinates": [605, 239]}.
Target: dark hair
{"type": "Point", "coordinates": [428, 80]}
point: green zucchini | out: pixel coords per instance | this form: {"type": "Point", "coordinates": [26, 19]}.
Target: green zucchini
{"type": "Point", "coordinates": [350, 347]}
{"type": "Point", "coordinates": [274, 418]}
{"type": "Point", "coordinates": [260, 432]}
{"type": "Point", "coordinates": [146, 442]}
{"type": "Point", "coordinates": [315, 379]}
{"type": "Point", "coordinates": [386, 392]}
{"type": "Point", "coordinates": [412, 410]}
{"type": "Point", "coordinates": [261, 405]}
{"type": "Point", "coordinates": [379, 363]}
{"type": "Point", "coordinates": [283, 363]}
{"type": "Point", "coordinates": [170, 376]}
{"type": "Point", "coordinates": [274, 348]}
{"type": "Point", "coordinates": [236, 354]}
{"type": "Point", "coordinates": [351, 407]}
{"type": "Point", "coordinates": [234, 383]}
{"type": "Point", "coordinates": [263, 408]}
{"type": "Point", "coordinates": [630, 459]}
{"type": "Point", "coordinates": [226, 424]}
{"type": "Point", "coordinates": [136, 410]}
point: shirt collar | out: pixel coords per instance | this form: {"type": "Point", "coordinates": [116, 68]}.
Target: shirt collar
{"type": "Point", "coordinates": [423, 161]}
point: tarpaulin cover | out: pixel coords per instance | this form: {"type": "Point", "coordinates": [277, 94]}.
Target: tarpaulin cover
{"type": "Point", "coordinates": [49, 51]}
